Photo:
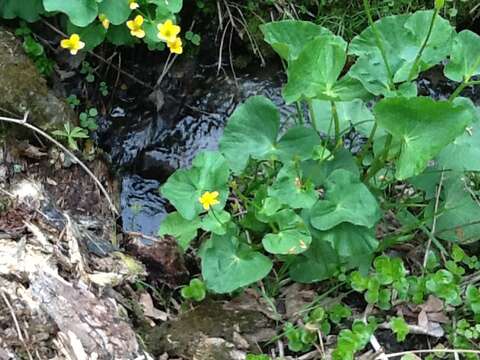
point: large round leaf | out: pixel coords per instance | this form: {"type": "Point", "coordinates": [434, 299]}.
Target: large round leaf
{"type": "Point", "coordinates": [463, 154]}
{"type": "Point", "coordinates": [92, 35]}
{"type": "Point", "coordinates": [182, 229]}
{"type": "Point", "coordinates": [173, 6]}
{"type": "Point", "coordinates": [288, 37]}
{"type": "Point", "coordinates": [292, 189]}
{"type": "Point", "coordinates": [228, 264]}
{"type": "Point", "coordinates": [424, 127]}
{"type": "Point", "coordinates": [251, 131]}
{"type": "Point", "coordinates": [297, 143]}
{"type": "Point", "coordinates": [402, 36]}
{"type": "Point", "coordinates": [465, 58]}
{"type": "Point", "coordinates": [80, 12]}
{"type": "Point", "coordinates": [116, 11]}
{"type": "Point", "coordinates": [209, 172]}
{"type": "Point", "coordinates": [28, 10]}
{"type": "Point", "coordinates": [315, 73]}
{"type": "Point", "coordinates": [346, 200]}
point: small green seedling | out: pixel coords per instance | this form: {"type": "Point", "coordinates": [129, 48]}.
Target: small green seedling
{"type": "Point", "coordinates": [400, 328]}
{"type": "Point", "coordinates": [195, 291]}
{"type": "Point", "coordinates": [103, 87]}
{"type": "Point", "coordinates": [72, 135]}
{"type": "Point", "coordinates": [88, 119]}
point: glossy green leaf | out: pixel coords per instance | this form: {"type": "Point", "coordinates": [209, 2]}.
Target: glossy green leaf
{"type": "Point", "coordinates": [28, 10]}
{"type": "Point", "coordinates": [174, 6]}
{"type": "Point", "coordinates": [463, 154]}
{"type": "Point", "coordinates": [346, 200]}
{"type": "Point", "coordinates": [402, 37]}
{"type": "Point", "coordinates": [292, 189]}
{"type": "Point", "coordinates": [80, 12]}
{"type": "Point", "coordinates": [116, 11]}
{"type": "Point", "coordinates": [465, 58]}
{"type": "Point", "coordinates": [350, 114]}
{"type": "Point", "coordinates": [288, 37]}
{"type": "Point", "coordinates": [424, 127]}
{"type": "Point", "coordinates": [315, 73]}
{"type": "Point", "coordinates": [253, 128]}
{"type": "Point", "coordinates": [182, 229]}
{"type": "Point", "coordinates": [216, 222]}
{"type": "Point", "coordinates": [209, 172]}
{"type": "Point", "coordinates": [297, 143]}
{"type": "Point", "coordinates": [459, 214]}
{"type": "Point", "coordinates": [229, 264]}
{"type": "Point", "coordinates": [293, 236]}
{"type": "Point", "coordinates": [120, 35]}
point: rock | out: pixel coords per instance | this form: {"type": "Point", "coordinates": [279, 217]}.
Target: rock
{"type": "Point", "coordinates": [211, 332]}
{"type": "Point", "coordinates": [23, 88]}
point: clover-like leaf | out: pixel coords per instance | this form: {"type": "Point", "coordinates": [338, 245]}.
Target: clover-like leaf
{"type": "Point", "coordinates": [117, 12]}
{"type": "Point", "coordinates": [292, 189]}
{"type": "Point", "coordinates": [209, 172]}
{"type": "Point", "coordinates": [346, 200]}
{"type": "Point", "coordinates": [424, 127]}
{"type": "Point", "coordinates": [402, 37]}
{"type": "Point", "coordinates": [315, 73]}
{"type": "Point", "coordinates": [253, 128]}
{"type": "Point", "coordinates": [293, 236]}
{"type": "Point", "coordinates": [79, 12]}
{"type": "Point", "coordinates": [196, 290]}
{"type": "Point", "coordinates": [288, 37]}
{"type": "Point", "coordinates": [229, 264]}
{"type": "Point", "coordinates": [399, 327]}
{"type": "Point", "coordinates": [182, 229]}
{"type": "Point", "coordinates": [465, 58]}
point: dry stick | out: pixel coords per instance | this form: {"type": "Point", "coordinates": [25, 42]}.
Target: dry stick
{"type": "Point", "coordinates": [431, 351]}
{"type": "Point", "coordinates": [68, 152]}
{"type": "Point", "coordinates": [19, 331]}
{"type": "Point", "coordinates": [434, 224]}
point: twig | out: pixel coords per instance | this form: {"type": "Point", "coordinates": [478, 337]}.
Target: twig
{"type": "Point", "coordinates": [430, 351]}
{"type": "Point", "coordinates": [15, 321]}
{"type": "Point", "coordinates": [434, 224]}
{"type": "Point", "coordinates": [68, 152]}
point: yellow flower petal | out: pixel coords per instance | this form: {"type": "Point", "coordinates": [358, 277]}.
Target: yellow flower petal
{"type": "Point", "coordinates": [65, 43]}
{"type": "Point", "coordinates": [208, 199]}
{"type": "Point", "coordinates": [176, 46]}
{"type": "Point", "coordinates": [138, 20]}
{"type": "Point", "coordinates": [168, 31]}
{"type": "Point", "coordinates": [133, 5]}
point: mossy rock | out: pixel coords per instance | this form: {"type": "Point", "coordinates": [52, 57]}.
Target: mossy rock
{"type": "Point", "coordinates": [24, 89]}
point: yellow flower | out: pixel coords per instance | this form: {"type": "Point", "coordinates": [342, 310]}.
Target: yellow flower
{"type": "Point", "coordinates": [133, 4]}
{"type": "Point", "coordinates": [175, 46]}
{"type": "Point", "coordinates": [135, 26]}
{"type": "Point", "coordinates": [105, 22]}
{"type": "Point", "coordinates": [167, 31]}
{"type": "Point", "coordinates": [73, 44]}
{"type": "Point", "coordinates": [208, 199]}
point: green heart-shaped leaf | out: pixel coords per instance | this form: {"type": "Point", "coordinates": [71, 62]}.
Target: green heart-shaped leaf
{"type": "Point", "coordinates": [292, 189]}
{"type": "Point", "coordinates": [315, 73]}
{"type": "Point", "coordinates": [228, 264]}
{"type": "Point", "coordinates": [28, 10]}
{"type": "Point", "coordinates": [465, 58]}
{"type": "Point", "coordinates": [346, 200]}
{"type": "Point", "coordinates": [288, 37]}
{"type": "Point", "coordinates": [424, 127]}
{"type": "Point", "coordinates": [253, 127]}
{"type": "Point", "coordinates": [402, 36]}
{"type": "Point", "coordinates": [92, 35]}
{"type": "Point", "coordinates": [80, 12]}
{"type": "Point", "coordinates": [182, 229]}
{"type": "Point", "coordinates": [209, 172]}
{"type": "Point", "coordinates": [217, 222]}
{"type": "Point", "coordinates": [116, 11]}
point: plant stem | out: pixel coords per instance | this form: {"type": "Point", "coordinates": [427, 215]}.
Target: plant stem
{"type": "Point", "coordinates": [461, 87]}
{"type": "Point", "coordinates": [422, 48]}
{"type": "Point", "coordinates": [336, 121]}
{"type": "Point", "coordinates": [368, 10]}
{"type": "Point", "coordinates": [299, 112]}
{"type": "Point", "coordinates": [379, 161]}
{"type": "Point", "coordinates": [215, 216]}
{"type": "Point", "coordinates": [368, 144]}
{"type": "Point", "coordinates": [313, 118]}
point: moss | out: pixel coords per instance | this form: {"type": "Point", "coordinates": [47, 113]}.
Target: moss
{"type": "Point", "coordinates": [23, 88]}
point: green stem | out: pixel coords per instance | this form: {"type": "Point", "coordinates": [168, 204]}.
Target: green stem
{"type": "Point", "coordinates": [422, 48]}
{"type": "Point", "coordinates": [336, 121]}
{"type": "Point", "coordinates": [215, 216]}
{"type": "Point", "coordinates": [461, 87]}
{"type": "Point", "coordinates": [380, 160]}
{"type": "Point", "coordinates": [368, 144]}
{"type": "Point", "coordinates": [366, 6]}
{"type": "Point", "coordinates": [299, 112]}
{"type": "Point", "coordinates": [313, 118]}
